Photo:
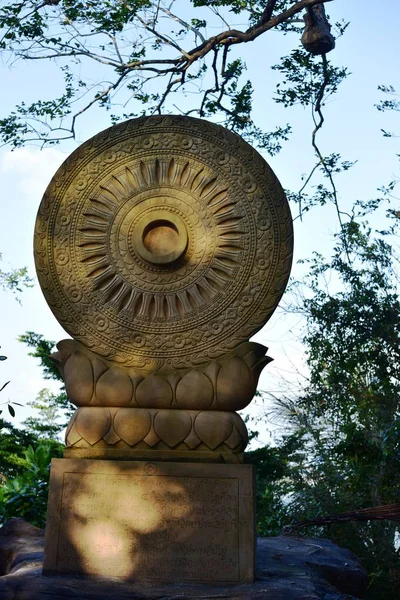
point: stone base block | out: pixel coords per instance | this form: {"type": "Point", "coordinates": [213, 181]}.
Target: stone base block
{"type": "Point", "coordinates": [172, 522]}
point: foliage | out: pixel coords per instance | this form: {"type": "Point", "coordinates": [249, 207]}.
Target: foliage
{"type": "Point", "coordinates": [50, 408]}
{"type": "Point", "coordinates": [13, 443]}
{"type": "Point", "coordinates": [150, 56]}
{"type": "Point", "coordinates": [272, 466]}
{"type": "Point", "coordinates": [390, 103]}
{"type": "Point", "coordinates": [393, 103]}
{"type": "Point", "coordinates": [4, 385]}
{"type": "Point", "coordinates": [15, 280]}
{"type": "Point", "coordinates": [344, 453]}
{"type": "Point", "coordinates": [25, 454]}
{"type": "Point", "coordinates": [26, 494]}
{"type": "Point", "coordinates": [42, 349]}
{"type": "Point", "coordinates": [53, 409]}
{"type": "Point", "coordinates": [9, 404]}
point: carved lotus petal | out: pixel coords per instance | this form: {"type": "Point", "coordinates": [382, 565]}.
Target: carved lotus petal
{"type": "Point", "coordinates": [242, 429]}
{"type": "Point", "coordinates": [132, 429]}
{"type": "Point", "coordinates": [213, 428]}
{"type": "Point", "coordinates": [154, 392]}
{"type": "Point", "coordinates": [71, 435]}
{"type": "Point", "coordinates": [192, 440]}
{"type": "Point", "coordinates": [98, 367]}
{"type": "Point", "coordinates": [66, 348]}
{"type": "Point", "coordinates": [114, 388]}
{"type": "Point", "coordinates": [93, 423]}
{"type": "Point", "coordinates": [212, 371]}
{"type": "Point", "coordinates": [235, 388]}
{"type": "Point", "coordinates": [194, 391]}
{"type": "Point", "coordinates": [78, 376]}
{"type": "Point", "coordinates": [151, 438]}
{"type": "Point", "coordinates": [254, 355]}
{"type": "Point", "coordinates": [112, 438]}
{"type": "Point", "coordinates": [172, 426]}
{"type": "Point", "coordinates": [70, 424]}
{"type": "Point", "coordinates": [235, 440]}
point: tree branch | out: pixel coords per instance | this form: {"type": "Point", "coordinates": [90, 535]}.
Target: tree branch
{"type": "Point", "coordinates": [234, 36]}
{"type": "Point", "coordinates": [269, 9]}
{"type": "Point", "coordinates": [72, 42]}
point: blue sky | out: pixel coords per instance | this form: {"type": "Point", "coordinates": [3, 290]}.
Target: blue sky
{"type": "Point", "coordinates": [370, 50]}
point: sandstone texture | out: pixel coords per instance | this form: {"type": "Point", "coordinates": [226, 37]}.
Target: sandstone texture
{"type": "Point", "coordinates": [288, 568]}
{"type": "Point", "coordinates": [151, 521]}
{"type": "Point", "coordinates": [161, 244]}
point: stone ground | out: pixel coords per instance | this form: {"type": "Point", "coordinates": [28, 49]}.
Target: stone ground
{"type": "Point", "coordinates": [288, 568]}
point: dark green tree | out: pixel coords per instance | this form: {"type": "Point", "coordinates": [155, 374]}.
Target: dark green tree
{"type": "Point", "coordinates": [26, 494]}
{"type": "Point", "coordinates": [25, 454]}
{"type": "Point", "coordinates": [345, 452]}
{"type": "Point", "coordinates": [14, 441]}
{"type": "Point", "coordinates": [42, 349]}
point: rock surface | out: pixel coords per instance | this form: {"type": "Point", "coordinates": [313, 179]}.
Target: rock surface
{"type": "Point", "coordinates": [289, 568]}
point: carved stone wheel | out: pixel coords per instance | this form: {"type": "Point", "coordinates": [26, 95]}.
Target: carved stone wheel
{"type": "Point", "coordinates": [163, 242]}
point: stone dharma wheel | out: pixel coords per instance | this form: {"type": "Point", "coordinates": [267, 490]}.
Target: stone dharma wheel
{"type": "Point", "coordinates": [163, 242]}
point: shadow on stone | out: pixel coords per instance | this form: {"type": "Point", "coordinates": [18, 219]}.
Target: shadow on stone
{"type": "Point", "coordinates": [288, 568]}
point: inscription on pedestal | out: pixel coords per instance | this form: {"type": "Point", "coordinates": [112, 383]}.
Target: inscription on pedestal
{"type": "Point", "coordinates": [162, 521]}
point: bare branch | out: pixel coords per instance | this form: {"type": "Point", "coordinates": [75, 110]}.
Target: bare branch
{"type": "Point", "coordinates": [317, 110]}
{"type": "Point", "coordinates": [183, 23]}
{"type": "Point", "coordinates": [328, 171]}
{"type": "Point", "coordinates": [88, 54]}
{"type": "Point", "coordinates": [114, 41]}
{"type": "Point", "coordinates": [138, 64]}
{"type": "Point", "coordinates": [162, 37]}
{"type": "Point", "coordinates": [95, 100]}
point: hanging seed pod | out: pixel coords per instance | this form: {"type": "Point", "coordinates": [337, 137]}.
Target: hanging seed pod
{"type": "Point", "coordinates": [317, 37]}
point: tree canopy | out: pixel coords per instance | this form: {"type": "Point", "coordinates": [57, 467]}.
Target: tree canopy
{"type": "Point", "coordinates": [342, 452]}
{"type": "Point", "coordinates": [145, 57]}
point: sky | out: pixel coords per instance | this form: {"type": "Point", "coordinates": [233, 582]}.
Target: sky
{"type": "Point", "coordinates": [370, 50]}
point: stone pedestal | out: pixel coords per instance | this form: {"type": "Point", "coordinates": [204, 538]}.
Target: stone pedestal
{"type": "Point", "coordinates": [151, 521]}
{"type": "Point", "coordinates": [161, 245]}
